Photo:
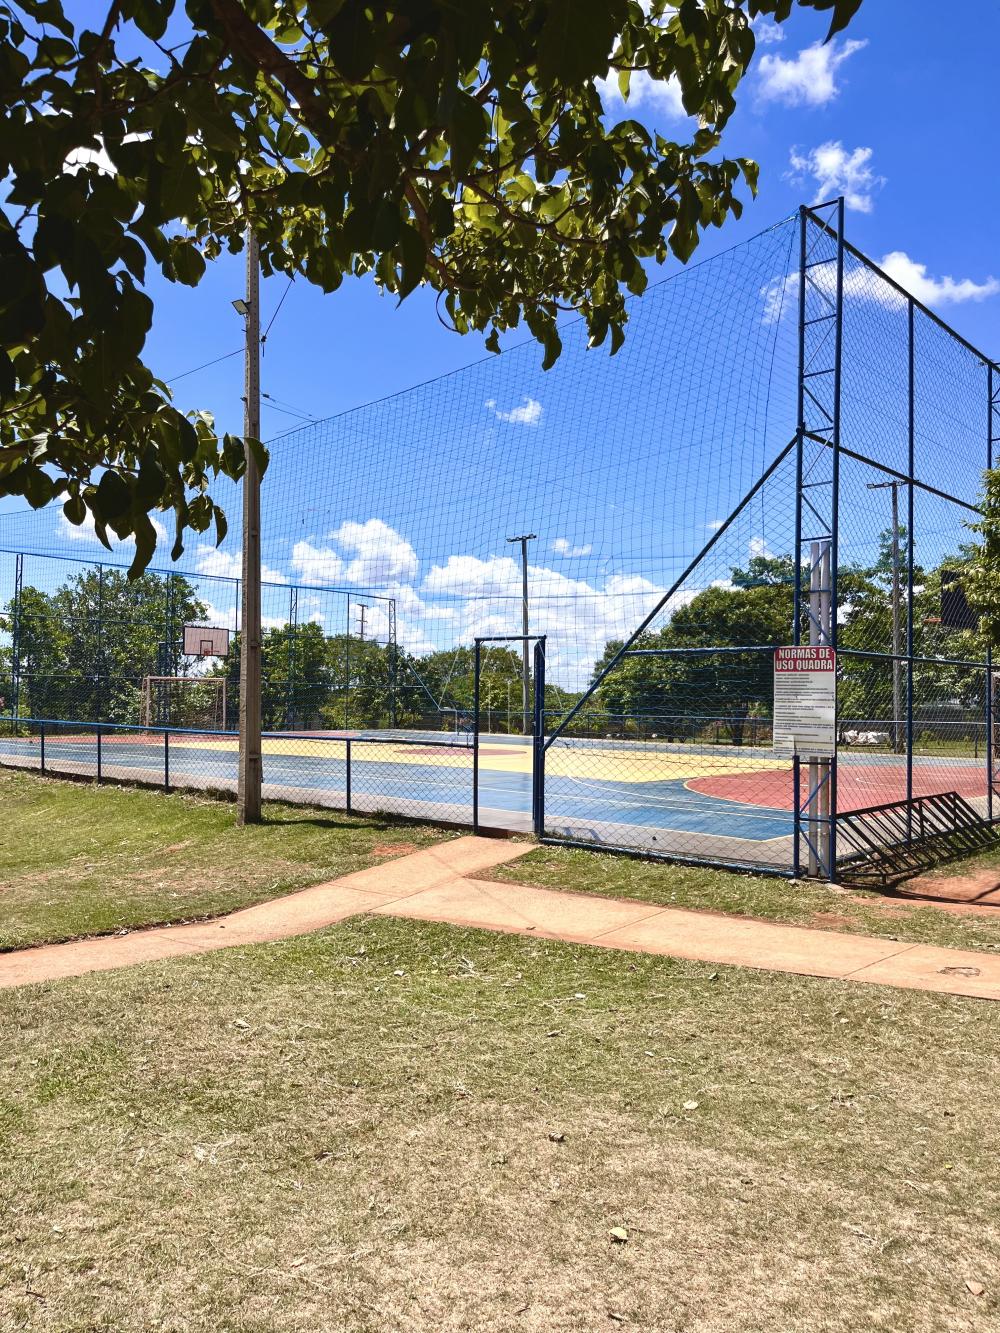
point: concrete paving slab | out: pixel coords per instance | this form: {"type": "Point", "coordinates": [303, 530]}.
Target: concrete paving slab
{"type": "Point", "coordinates": [944, 971]}
{"type": "Point", "coordinates": [748, 943]}
{"type": "Point", "coordinates": [298, 913]}
{"type": "Point", "coordinates": [519, 908]}
{"type": "Point", "coordinates": [55, 961]}
{"type": "Point", "coordinates": [433, 885]}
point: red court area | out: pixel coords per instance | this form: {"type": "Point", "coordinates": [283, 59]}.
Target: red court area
{"type": "Point", "coordinates": [858, 785]}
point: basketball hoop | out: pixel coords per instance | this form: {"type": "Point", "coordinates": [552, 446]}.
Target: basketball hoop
{"type": "Point", "coordinates": [205, 641]}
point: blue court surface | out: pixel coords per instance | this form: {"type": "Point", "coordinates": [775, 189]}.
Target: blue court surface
{"type": "Point", "coordinates": [600, 790]}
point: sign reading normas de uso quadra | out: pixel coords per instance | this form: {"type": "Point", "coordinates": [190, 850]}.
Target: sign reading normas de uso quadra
{"type": "Point", "coordinates": [805, 701]}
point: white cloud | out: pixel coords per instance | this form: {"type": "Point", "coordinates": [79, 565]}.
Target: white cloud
{"type": "Point", "coordinates": [935, 291]}
{"type": "Point", "coordinates": [780, 295]}
{"type": "Point", "coordinates": [579, 616]}
{"type": "Point", "coordinates": [213, 561]}
{"type": "Point", "coordinates": [86, 532]}
{"type": "Point", "coordinates": [808, 79]}
{"type": "Point", "coordinates": [562, 546]}
{"type": "Point", "coordinates": [715, 524]}
{"type": "Point", "coordinates": [663, 95]}
{"type": "Point", "coordinates": [529, 413]}
{"type": "Point", "coordinates": [380, 553]}
{"type": "Point", "coordinates": [759, 547]}
{"type": "Point", "coordinates": [838, 171]}
{"type": "Point", "coordinates": [766, 32]}
{"type": "Point", "coordinates": [316, 564]}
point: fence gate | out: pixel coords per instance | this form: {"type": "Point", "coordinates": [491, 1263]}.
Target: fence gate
{"type": "Point", "coordinates": [508, 763]}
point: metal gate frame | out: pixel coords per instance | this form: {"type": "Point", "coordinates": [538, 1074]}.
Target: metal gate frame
{"type": "Point", "coordinates": [537, 725]}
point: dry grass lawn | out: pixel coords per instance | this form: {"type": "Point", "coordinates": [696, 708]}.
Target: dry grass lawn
{"type": "Point", "coordinates": [397, 1126]}
{"type": "Point", "coordinates": [77, 859]}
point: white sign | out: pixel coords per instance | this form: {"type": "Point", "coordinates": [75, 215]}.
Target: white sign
{"type": "Point", "coordinates": [805, 702]}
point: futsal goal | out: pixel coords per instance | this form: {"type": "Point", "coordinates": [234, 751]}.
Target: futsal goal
{"type": "Point", "coordinates": [184, 701]}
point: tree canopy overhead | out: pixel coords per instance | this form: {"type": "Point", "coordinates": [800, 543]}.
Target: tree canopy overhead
{"type": "Point", "coordinates": [458, 143]}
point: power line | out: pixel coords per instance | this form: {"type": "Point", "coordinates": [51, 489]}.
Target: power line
{"type": "Point", "coordinates": [290, 407]}
{"type": "Point", "coordinates": [275, 315]}
{"type": "Point", "coordinates": [286, 411]}
{"type": "Point", "coordinates": [204, 366]}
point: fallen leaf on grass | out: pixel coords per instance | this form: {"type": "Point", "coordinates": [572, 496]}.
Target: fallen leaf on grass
{"type": "Point", "coordinates": [619, 1235]}
{"type": "Point", "coordinates": [557, 1138]}
{"type": "Point", "coordinates": [976, 1288]}
{"type": "Point", "coordinates": [690, 1106]}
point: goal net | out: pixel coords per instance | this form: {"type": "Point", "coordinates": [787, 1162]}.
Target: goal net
{"type": "Point", "coordinates": [184, 701]}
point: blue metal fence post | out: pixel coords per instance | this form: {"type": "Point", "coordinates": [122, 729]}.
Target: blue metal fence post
{"type": "Point", "coordinates": [41, 746]}
{"type": "Point", "coordinates": [348, 775]}
{"type": "Point", "coordinates": [991, 406]}
{"type": "Point", "coordinates": [835, 524]}
{"type": "Point", "coordinates": [166, 761]}
{"type": "Point", "coordinates": [799, 478]}
{"type": "Point", "coordinates": [910, 467]}
{"type": "Point", "coordinates": [15, 644]}
{"type": "Point", "coordinates": [475, 739]}
{"type": "Point", "coordinates": [538, 742]}
{"type": "Point", "coordinates": [98, 754]}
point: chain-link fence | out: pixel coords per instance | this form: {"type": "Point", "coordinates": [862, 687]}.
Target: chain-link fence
{"type": "Point", "coordinates": [787, 450]}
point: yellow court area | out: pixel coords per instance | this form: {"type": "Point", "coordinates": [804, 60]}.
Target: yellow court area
{"type": "Point", "coordinates": [625, 763]}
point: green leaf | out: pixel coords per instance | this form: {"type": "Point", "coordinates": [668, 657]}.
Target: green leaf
{"type": "Point", "coordinates": [576, 39]}
{"type": "Point", "coordinates": [113, 497]}
{"type": "Point", "coordinates": [145, 545]}
{"type": "Point", "coordinates": [75, 510]}
{"type": "Point", "coordinates": [467, 132]}
{"type": "Point", "coordinates": [151, 479]}
{"type": "Point", "coordinates": [413, 255]}
{"type": "Point", "coordinates": [188, 263]}
{"type": "Point", "coordinates": [151, 17]}
{"type": "Point", "coordinates": [843, 12]}
{"type": "Point", "coordinates": [8, 378]}
{"type": "Point", "coordinates": [352, 41]}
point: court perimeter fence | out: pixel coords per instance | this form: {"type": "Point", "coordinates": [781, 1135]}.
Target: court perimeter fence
{"type": "Point", "coordinates": [788, 449]}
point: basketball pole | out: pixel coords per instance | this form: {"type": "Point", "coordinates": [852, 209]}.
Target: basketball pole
{"type": "Point", "coordinates": [250, 762]}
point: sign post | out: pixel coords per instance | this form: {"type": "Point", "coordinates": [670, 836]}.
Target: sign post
{"type": "Point", "coordinates": [805, 702]}
{"type": "Point", "coordinates": [805, 728]}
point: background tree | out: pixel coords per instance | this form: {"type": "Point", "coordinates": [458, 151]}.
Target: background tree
{"type": "Point", "coordinates": [85, 648]}
{"type": "Point", "coordinates": [296, 676]}
{"type": "Point", "coordinates": [462, 145]}
{"type": "Point", "coordinates": [681, 695]}
{"type": "Point", "coordinates": [678, 695]}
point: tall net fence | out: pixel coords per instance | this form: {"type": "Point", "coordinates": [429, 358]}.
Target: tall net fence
{"type": "Point", "coordinates": [658, 516]}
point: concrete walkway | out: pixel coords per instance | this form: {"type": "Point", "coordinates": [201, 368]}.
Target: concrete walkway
{"type": "Point", "coordinates": [433, 885]}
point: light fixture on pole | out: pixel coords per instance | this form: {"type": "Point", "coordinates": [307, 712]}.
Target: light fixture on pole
{"type": "Point", "coordinates": [524, 538]}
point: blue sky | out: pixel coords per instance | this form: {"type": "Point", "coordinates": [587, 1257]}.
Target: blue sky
{"type": "Point", "coordinates": [919, 101]}
{"type": "Point", "coordinates": [615, 464]}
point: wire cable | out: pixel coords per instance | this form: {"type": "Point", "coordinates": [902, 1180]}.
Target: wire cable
{"type": "Point", "coordinates": [277, 308]}
{"type": "Point", "coordinates": [227, 356]}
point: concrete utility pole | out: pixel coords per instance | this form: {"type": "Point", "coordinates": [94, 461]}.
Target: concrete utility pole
{"type": "Point", "coordinates": [525, 656]}
{"type": "Point", "coordinates": [250, 761]}
{"type": "Point", "coordinates": [897, 672]}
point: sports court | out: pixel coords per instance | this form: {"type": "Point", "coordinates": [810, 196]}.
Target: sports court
{"type": "Point", "coordinates": [731, 804]}
{"type": "Point", "coordinates": [786, 455]}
